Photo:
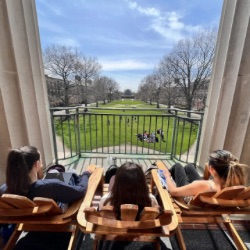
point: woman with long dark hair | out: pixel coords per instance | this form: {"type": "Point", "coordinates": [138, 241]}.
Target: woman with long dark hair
{"type": "Point", "coordinates": [129, 187]}
{"type": "Point", "coordinates": [23, 166]}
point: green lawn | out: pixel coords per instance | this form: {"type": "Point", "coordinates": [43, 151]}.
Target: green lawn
{"type": "Point", "coordinates": [102, 128]}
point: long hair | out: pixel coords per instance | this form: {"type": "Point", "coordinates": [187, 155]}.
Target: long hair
{"type": "Point", "coordinates": [19, 164]}
{"type": "Point", "coordinates": [228, 168]}
{"type": "Point", "coordinates": [130, 187]}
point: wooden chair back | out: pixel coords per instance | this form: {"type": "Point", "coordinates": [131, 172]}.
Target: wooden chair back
{"type": "Point", "coordinates": [39, 214]}
{"type": "Point", "coordinates": [212, 207]}
{"type": "Point", "coordinates": [151, 224]}
{"type": "Point", "coordinates": [149, 218]}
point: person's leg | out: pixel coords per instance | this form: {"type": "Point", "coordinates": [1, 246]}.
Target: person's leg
{"type": "Point", "coordinates": [111, 182]}
{"type": "Point", "coordinates": [179, 175]}
{"type": "Point", "coordinates": [192, 173]}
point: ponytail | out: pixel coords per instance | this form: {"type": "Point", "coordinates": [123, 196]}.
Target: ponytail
{"type": "Point", "coordinates": [19, 164]}
{"type": "Point", "coordinates": [228, 168]}
{"type": "Point", "coordinates": [235, 174]}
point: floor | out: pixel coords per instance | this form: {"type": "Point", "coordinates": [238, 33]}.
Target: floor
{"type": "Point", "coordinates": [107, 160]}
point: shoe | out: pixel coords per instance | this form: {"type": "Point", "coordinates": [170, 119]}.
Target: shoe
{"type": "Point", "coordinates": [148, 169]}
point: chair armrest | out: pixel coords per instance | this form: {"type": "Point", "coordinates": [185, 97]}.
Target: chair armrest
{"type": "Point", "coordinates": [95, 181]}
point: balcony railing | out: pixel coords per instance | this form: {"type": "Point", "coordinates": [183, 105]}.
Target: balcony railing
{"type": "Point", "coordinates": [78, 132]}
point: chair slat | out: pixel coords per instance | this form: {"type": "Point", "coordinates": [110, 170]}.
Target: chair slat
{"type": "Point", "coordinates": [40, 201]}
{"type": "Point", "coordinates": [128, 212]}
{"type": "Point", "coordinates": [105, 188]}
{"type": "Point", "coordinates": [108, 212]}
{"type": "Point", "coordinates": [196, 201]}
{"type": "Point", "coordinates": [229, 193]}
{"type": "Point", "coordinates": [243, 195]}
{"type": "Point", "coordinates": [95, 201]}
{"type": "Point", "coordinates": [4, 204]}
{"type": "Point", "coordinates": [29, 211]}
{"type": "Point", "coordinates": [149, 213]}
{"type": "Point", "coordinates": [94, 217]}
{"type": "Point", "coordinates": [92, 211]}
{"type": "Point", "coordinates": [72, 209]}
{"type": "Point", "coordinates": [165, 217]}
{"type": "Point", "coordinates": [226, 203]}
{"type": "Point", "coordinates": [18, 201]}
{"type": "Point", "coordinates": [179, 201]}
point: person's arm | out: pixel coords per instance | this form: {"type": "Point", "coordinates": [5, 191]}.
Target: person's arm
{"type": "Point", "coordinates": [60, 191]}
{"type": "Point", "coordinates": [187, 190]}
{"type": "Point", "coordinates": [154, 202]}
{"type": "Point", "coordinates": [103, 201]}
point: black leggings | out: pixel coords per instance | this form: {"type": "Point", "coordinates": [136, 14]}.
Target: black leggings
{"type": "Point", "coordinates": [184, 175]}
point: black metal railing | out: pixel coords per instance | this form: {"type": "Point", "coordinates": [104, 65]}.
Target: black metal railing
{"type": "Point", "coordinates": [171, 133]}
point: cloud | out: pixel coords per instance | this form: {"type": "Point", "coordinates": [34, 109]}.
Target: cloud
{"type": "Point", "coordinates": [109, 39]}
{"type": "Point", "coordinates": [65, 41]}
{"type": "Point", "coordinates": [52, 8]}
{"type": "Point", "coordinates": [145, 11]}
{"type": "Point", "coordinates": [167, 24]}
{"type": "Point", "coordinates": [50, 26]}
{"type": "Point", "coordinates": [124, 65]}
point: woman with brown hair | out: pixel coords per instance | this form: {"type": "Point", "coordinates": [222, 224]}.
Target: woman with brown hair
{"type": "Point", "coordinates": [23, 166]}
{"type": "Point", "coordinates": [223, 168]}
{"type": "Point", "coordinates": [129, 187]}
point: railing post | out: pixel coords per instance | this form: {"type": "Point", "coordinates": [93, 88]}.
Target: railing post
{"type": "Point", "coordinates": [173, 135]}
{"type": "Point", "coordinates": [198, 138]}
{"type": "Point", "coordinates": [54, 135]}
{"type": "Point", "coordinates": [78, 132]}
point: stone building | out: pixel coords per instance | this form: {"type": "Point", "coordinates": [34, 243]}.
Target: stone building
{"type": "Point", "coordinates": [56, 92]}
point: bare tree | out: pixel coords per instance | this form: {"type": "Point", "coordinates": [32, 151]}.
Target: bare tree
{"type": "Point", "coordinates": [112, 87]}
{"type": "Point", "coordinates": [191, 60]}
{"type": "Point", "coordinates": [105, 88]}
{"type": "Point", "coordinates": [87, 69]}
{"type": "Point", "coordinates": [142, 93]}
{"type": "Point", "coordinates": [127, 92]}
{"type": "Point", "coordinates": [166, 73]}
{"type": "Point", "coordinates": [157, 88]}
{"type": "Point", "coordinates": [98, 89]}
{"type": "Point", "coordinates": [60, 61]}
{"type": "Point", "coordinates": [150, 89]}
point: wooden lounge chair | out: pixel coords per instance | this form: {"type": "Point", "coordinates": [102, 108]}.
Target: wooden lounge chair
{"type": "Point", "coordinates": [213, 207]}
{"type": "Point", "coordinates": [41, 214]}
{"type": "Point", "coordinates": [105, 226]}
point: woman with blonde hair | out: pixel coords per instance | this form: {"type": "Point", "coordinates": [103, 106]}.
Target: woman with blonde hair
{"type": "Point", "coordinates": [222, 167]}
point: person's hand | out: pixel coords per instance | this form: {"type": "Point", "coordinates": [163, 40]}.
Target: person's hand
{"type": "Point", "coordinates": [166, 173]}
{"type": "Point", "coordinates": [91, 168]}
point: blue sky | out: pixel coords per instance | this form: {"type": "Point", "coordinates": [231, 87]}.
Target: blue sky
{"type": "Point", "coordinates": [128, 37]}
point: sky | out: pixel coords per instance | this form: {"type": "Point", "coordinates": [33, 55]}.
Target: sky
{"type": "Point", "coordinates": [128, 37]}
